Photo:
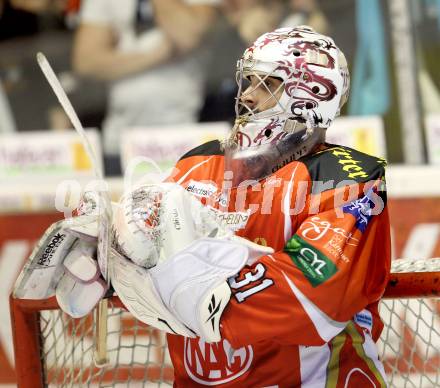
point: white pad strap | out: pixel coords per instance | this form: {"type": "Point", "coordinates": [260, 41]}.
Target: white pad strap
{"type": "Point", "coordinates": [81, 287]}
{"type": "Point", "coordinates": [77, 298]}
{"type": "Point", "coordinates": [79, 262]}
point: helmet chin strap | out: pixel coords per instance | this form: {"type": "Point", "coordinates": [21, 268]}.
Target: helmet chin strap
{"type": "Point", "coordinates": [310, 123]}
{"type": "Point", "coordinates": [232, 138]}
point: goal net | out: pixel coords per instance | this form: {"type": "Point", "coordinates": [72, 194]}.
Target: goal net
{"type": "Point", "coordinates": [410, 342]}
{"type": "Point", "coordinates": [52, 349]}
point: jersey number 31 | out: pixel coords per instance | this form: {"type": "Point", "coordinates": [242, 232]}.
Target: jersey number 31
{"type": "Point", "coordinates": [249, 283]}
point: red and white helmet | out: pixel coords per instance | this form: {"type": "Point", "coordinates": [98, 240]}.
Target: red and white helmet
{"type": "Point", "coordinates": [314, 82]}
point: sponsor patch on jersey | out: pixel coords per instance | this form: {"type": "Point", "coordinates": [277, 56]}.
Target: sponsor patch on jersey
{"type": "Point", "coordinates": [332, 239]}
{"type": "Point", "coordinates": [335, 247]}
{"type": "Point", "coordinates": [317, 229]}
{"type": "Point", "coordinates": [361, 209]}
{"type": "Point", "coordinates": [201, 189]}
{"type": "Point", "coordinates": [215, 363]}
{"type": "Point", "coordinates": [315, 266]}
{"type": "Point", "coordinates": [364, 319]}
{"type": "Point", "coordinates": [353, 168]}
{"type": "Point", "coordinates": [234, 220]}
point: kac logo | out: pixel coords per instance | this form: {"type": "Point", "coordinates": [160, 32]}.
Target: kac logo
{"type": "Point", "coordinates": [215, 363]}
{"type": "Point", "coordinates": [362, 210]}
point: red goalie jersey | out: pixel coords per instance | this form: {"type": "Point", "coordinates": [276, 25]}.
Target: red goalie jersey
{"type": "Point", "coordinates": [307, 315]}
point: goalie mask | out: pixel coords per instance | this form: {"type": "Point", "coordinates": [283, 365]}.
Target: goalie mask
{"type": "Point", "coordinates": [291, 85]}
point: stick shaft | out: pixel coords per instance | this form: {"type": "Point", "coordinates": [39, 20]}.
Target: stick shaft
{"type": "Point", "coordinates": [105, 211]}
{"type": "Point", "coordinates": [68, 108]}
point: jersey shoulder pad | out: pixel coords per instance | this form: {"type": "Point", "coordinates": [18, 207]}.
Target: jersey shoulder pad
{"type": "Point", "coordinates": [340, 163]}
{"type": "Point", "coordinates": [212, 147]}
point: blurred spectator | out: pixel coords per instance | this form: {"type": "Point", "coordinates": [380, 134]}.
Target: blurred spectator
{"type": "Point", "coordinates": [252, 18]}
{"type": "Point", "coordinates": [147, 50]}
{"type": "Point", "coordinates": [19, 17]}
{"type": "Point", "coordinates": [306, 12]}
{"type": "Point", "coordinates": [26, 27]}
{"type": "Point", "coordinates": [241, 22]}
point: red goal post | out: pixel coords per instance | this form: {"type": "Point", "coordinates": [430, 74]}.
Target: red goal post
{"type": "Point", "coordinates": [54, 349]}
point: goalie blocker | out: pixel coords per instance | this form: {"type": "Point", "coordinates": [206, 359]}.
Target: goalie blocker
{"type": "Point", "coordinates": [63, 264]}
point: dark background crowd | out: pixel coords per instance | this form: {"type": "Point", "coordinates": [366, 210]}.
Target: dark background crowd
{"type": "Point", "coordinates": [153, 62]}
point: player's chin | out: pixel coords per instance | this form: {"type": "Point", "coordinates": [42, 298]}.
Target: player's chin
{"type": "Point", "coordinates": [269, 105]}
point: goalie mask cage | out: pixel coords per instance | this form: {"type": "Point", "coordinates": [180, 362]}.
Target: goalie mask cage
{"type": "Point", "coordinates": [52, 349]}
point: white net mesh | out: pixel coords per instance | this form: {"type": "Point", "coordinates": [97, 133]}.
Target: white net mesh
{"type": "Point", "coordinates": [137, 354]}
{"type": "Point", "coordinates": [410, 341]}
{"type": "Point", "coordinates": [411, 265]}
{"type": "Point", "coordinates": [409, 345]}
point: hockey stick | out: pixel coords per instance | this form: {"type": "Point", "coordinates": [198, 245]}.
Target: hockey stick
{"type": "Point", "coordinates": [104, 207]}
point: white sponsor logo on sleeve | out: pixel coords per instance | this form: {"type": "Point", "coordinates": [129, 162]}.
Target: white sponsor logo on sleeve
{"type": "Point", "coordinates": [200, 189]}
